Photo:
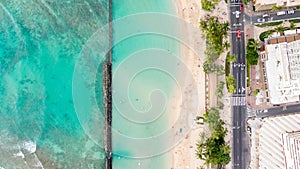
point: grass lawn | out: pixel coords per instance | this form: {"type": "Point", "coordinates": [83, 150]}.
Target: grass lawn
{"type": "Point", "coordinates": [269, 24]}
{"type": "Point", "coordinates": [294, 20]}
{"type": "Point", "coordinates": [248, 75]}
{"type": "Point", "coordinates": [265, 34]}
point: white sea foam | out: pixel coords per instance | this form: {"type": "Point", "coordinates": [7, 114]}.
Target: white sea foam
{"type": "Point", "coordinates": [19, 154]}
{"type": "Point", "coordinates": [29, 146]}
{"type": "Point", "coordinates": [38, 163]}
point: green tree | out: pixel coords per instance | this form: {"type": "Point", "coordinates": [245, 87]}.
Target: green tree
{"type": "Point", "coordinates": [207, 67]}
{"type": "Point", "coordinates": [220, 87]}
{"type": "Point", "coordinates": [214, 150]}
{"type": "Point", "coordinates": [219, 70]}
{"type": "Point", "coordinates": [230, 83]}
{"type": "Point", "coordinates": [230, 58]}
{"type": "Point", "coordinates": [292, 26]}
{"type": "Point", "coordinates": [251, 54]}
{"type": "Point", "coordinates": [275, 8]}
{"type": "Point", "coordinates": [210, 52]}
{"type": "Point", "coordinates": [252, 58]}
{"type": "Point", "coordinates": [207, 5]}
{"type": "Point", "coordinates": [214, 32]}
{"type": "Point", "coordinates": [227, 45]}
{"type": "Point", "coordinates": [280, 29]}
{"type": "Point", "coordinates": [203, 25]}
{"type": "Point", "coordinates": [220, 105]}
{"type": "Point", "coordinates": [256, 91]}
{"type": "Point", "coordinates": [253, 44]}
{"type": "Point", "coordinates": [211, 117]}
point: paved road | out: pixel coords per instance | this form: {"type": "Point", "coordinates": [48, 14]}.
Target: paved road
{"type": "Point", "coordinates": [273, 17]}
{"type": "Point", "coordinates": [276, 111]}
{"type": "Point", "coordinates": [240, 155]}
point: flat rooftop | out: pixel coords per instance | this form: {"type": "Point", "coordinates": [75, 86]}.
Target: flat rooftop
{"type": "Point", "coordinates": [278, 2]}
{"type": "Point", "coordinates": [283, 71]}
{"type": "Point", "coordinates": [273, 142]}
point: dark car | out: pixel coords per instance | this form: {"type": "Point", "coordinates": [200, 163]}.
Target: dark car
{"type": "Point", "coordinates": [261, 20]}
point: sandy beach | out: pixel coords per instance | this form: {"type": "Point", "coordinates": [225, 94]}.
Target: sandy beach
{"type": "Point", "coordinates": [184, 154]}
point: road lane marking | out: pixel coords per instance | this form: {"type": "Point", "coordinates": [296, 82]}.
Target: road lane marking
{"type": "Point", "coordinates": [236, 31]}
{"type": "Point", "coordinates": [239, 101]}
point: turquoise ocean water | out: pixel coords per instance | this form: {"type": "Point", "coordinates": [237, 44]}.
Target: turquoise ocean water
{"type": "Point", "coordinates": [40, 42]}
{"type": "Point", "coordinates": [137, 79]}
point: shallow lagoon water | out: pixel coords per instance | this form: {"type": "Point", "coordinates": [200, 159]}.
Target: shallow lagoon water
{"type": "Point", "coordinates": [142, 88]}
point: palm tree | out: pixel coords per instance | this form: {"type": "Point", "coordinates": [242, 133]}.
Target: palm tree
{"type": "Point", "coordinates": [203, 25]}
{"type": "Point", "coordinates": [225, 28]}
{"type": "Point", "coordinates": [280, 29]}
{"type": "Point", "coordinates": [292, 26]}
{"type": "Point", "coordinates": [269, 32]}
{"type": "Point", "coordinates": [227, 45]}
{"type": "Point", "coordinates": [275, 8]}
{"type": "Point", "coordinates": [253, 44]}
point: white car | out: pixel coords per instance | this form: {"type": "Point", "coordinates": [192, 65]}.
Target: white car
{"type": "Point", "coordinates": [265, 15]}
{"type": "Point", "coordinates": [291, 12]}
{"type": "Point", "coordinates": [281, 13]}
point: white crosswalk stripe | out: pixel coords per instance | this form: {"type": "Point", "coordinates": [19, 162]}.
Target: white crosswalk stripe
{"type": "Point", "coordinates": [243, 101]}
{"type": "Point", "coordinates": [238, 101]}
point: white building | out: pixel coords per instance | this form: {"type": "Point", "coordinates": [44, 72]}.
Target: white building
{"type": "Point", "coordinates": [267, 4]}
{"type": "Point", "coordinates": [275, 142]}
{"type": "Point", "coordinates": [283, 72]}
{"type": "Point", "coordinates": [291, 146]}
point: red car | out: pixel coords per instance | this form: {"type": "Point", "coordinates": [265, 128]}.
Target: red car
{"type": "Point", "coordinates": [241, 7]}
{"type": "Point", "coordinates": [238, 33]}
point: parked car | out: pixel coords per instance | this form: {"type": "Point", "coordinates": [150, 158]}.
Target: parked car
{"type": "Point", "coordinates": [238, 33]}
{"type": "Point", "coordinates": [241, 7]}
{"type": "Point", "coordinates": [291, 12]}
{"type": "Point", "coordinates": [261, 20]}
{"type": "Point", "coordinates": [265, 15]}
{"type": "Point", "coordinates": [281, 13]}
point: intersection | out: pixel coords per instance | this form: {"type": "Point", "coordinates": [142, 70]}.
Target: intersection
{"type": "Point", "coordinates": [238, 20]}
